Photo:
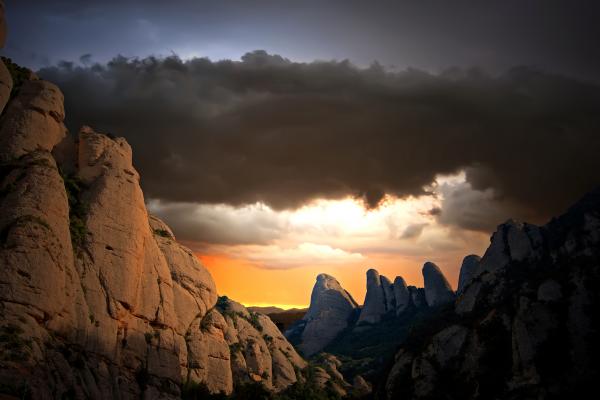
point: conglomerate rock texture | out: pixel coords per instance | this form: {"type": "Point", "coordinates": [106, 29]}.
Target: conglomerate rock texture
{"type": "Point", "coordinates": [97, 298]}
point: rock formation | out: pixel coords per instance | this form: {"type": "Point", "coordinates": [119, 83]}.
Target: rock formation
{"type": "Point", "coordinates": [401, 295]}
{"type": "Point", "coordinates": [525, 326]}
{"type": "Point", "coordinates": [468, 270]}
{"type": "Point", "coordinates": [330, 312]}
{"type": "Point", "coordinates": [376, 303]}
{"type": "Point", "coordinates": [417, 296]}
{"type": "Point", "coordinates": [437, 288]}
{"type": "Point", "coordinates": [329, 377]}
{"type": "Point", "coordinates": [97, 298]}
{"type": "Point", "coordinates": [383, 297]}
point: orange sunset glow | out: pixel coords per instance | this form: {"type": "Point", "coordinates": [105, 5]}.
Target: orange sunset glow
{"type": "Point", "coordinates": [254, 286]}
{"type": "Point", "coordinates": [337, 237]}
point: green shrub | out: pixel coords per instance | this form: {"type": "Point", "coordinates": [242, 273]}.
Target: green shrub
{"type": "Point", "coordinates": [254, 320]}
{"type": "Point", "coordinates": [78, 209]}
{"type": "Point", "coordinates": [163, 232]}
{"type": "Point", "coordinates": [19, 75]}
{"type": "Point", "coordinates": [235, 347]}
{"type": "Point", "coordinates": [19, 391]}
{"type": "Point", "coordinates": [148, 337]}
{"type": "Point", "coordinates": [199, 391]}
{"type": "Point", "coordinates": [268, 339]}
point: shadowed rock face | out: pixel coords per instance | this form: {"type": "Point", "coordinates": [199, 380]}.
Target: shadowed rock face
{"type": "Point", "coordinates": [437, 288]}
{"type": "Point", "coordinates": [468, 270]}
{"type": "Point", "coordinates": [376, 302]}
{"type": "Point", "coordinates": [384, 297]}
{"type": "Point", "coordinates": [401, 295]}
{"type": "Point", "coordinates": [330, 311]}
{"type": "Point", "coordinates": [525, 326]}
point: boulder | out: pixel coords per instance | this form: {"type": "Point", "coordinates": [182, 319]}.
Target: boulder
{"type": "Point", "coordinates": [437, 288]}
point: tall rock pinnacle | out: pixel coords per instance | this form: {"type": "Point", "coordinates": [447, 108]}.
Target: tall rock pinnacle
{"type": "Point", "coordinates": [331, 308]}
{"type": "Point", "coordinates": [437, 288]}
{"type": "Point", "coordinates": [379, 300]}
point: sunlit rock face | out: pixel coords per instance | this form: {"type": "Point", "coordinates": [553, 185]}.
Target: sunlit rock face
{"type": "Point", "coordinates": [330, 312]}
{"type": "Point", "coordinates": [98, 300]}
{"type": "Point", "coordinates": [523, 326]}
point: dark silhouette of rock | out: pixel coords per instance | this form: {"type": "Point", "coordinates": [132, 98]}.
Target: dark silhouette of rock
{"type": "Point", "coordinates": [379, 298]}
{"type": "Point", "coordinates": [437, 288]}
{"type": "Point", "coordinates": [468, 270]}
{"type": "Point", "coordinates": [401, 295]}
{"type": "Point", "coordinates": [525, 327]}
{"type": "Point", "coordinates": [417, 296]}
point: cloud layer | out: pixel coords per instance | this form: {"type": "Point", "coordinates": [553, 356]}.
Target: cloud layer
{"type": "Point", "coordinates": [283, 133]}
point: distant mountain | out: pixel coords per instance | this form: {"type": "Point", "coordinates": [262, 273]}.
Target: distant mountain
{"type": "Point", "coordinates": [282, 318]}
{"type": "Point", "coordinates": [265, 310]}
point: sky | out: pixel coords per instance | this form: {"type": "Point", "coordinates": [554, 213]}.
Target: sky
{"type": "Point", "coordinates": [285, 139]}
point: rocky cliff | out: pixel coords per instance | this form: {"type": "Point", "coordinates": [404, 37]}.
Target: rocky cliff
{"type": "Point", "coordinates": [97, 298]}
{"type": "Point", "coordinates": [524, 325]}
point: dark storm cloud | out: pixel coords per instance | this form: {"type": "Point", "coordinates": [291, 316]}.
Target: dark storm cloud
{"type": "Point", "coordinates": [428, 34]}
{"type": "Point", "coordinates": [267, 129]}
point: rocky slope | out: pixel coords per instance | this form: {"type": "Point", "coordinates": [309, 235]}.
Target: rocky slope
{"type": "Point", "coordinates": [524, 325]}
{"type": "Point", "coordinates": [97, 298]}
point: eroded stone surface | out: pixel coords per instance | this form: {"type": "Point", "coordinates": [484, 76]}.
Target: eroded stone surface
{"type": "Point", "coordinates": [437, 288]}
{"type": "Point", "coordinates": [331, 308]}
